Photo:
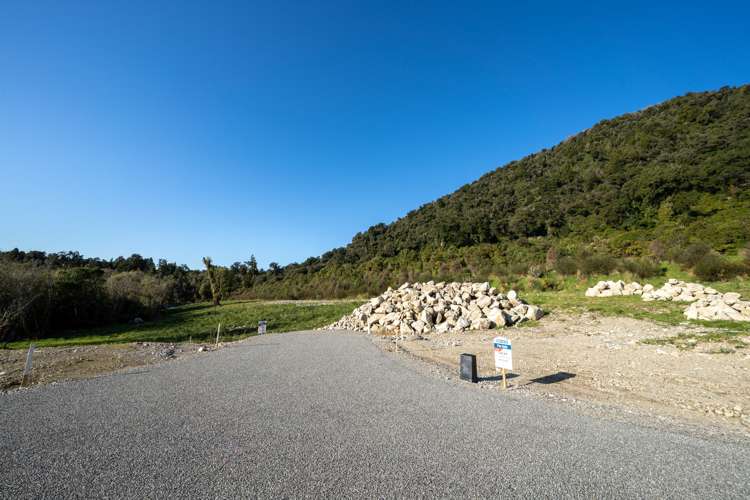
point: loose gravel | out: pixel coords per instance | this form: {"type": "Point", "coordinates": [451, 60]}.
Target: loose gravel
{"type": "Point", "coordinates": [330, 415]}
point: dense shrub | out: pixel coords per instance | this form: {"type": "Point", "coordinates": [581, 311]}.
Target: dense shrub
{"type": "Point", "coordinates": [693, 254]}
{"type": "Point", "coordinates": [714, 268]}
{"type": "Point", "coordinates": [597, 264]}
{"type": "Point", "coordinates": [566, 266]}
{"type": "Point", "coordinates": [23, 299]}
{"type": "Point", "coordinates": [657, 250]}
{"type": "Point", "coordinates": [709, 268]}
{"type": "Point", "coordinates": [642, 268]}
{"type": "Point", "coordinates": [746, 256]}
{"type": "Point", "coordinates": [135, 293]}
{"type": "Point", "coordinates": [36, 301]}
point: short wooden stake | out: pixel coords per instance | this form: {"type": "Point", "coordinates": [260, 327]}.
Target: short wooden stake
{"type": "Point", "coordinates": [218, 332]}
{"type": "Point", "coordinates": [505, 382]}
{"type": "Point", "coordinates": [27, 369]}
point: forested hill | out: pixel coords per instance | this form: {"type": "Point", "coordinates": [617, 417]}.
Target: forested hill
{"type": "Point", "coordinates": [614, 175]}
{"type": "Point", "coordinates": [679, 170]}
{"type": "Point", "coordinates": [668, 183]}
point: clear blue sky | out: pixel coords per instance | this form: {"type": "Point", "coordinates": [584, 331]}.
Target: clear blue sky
{"type": "Point", "coordinates": [185, 129]}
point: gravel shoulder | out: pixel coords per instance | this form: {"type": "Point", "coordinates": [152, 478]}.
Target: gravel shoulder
{"type": "Point", "coordinates": [58, 364]}
{"type": "Point", "coordinates": [603, 360]}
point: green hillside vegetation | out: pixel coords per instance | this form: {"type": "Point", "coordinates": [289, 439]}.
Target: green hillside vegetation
{"type": "Point", "coordinates": [668, 182]}
{"type": "Point", "coordinates": [665, 189]}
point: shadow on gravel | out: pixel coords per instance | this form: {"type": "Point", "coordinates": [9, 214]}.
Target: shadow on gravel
{"type": "Point", "coordinates": [134, 372]}
{"type": "Point", "coordinates": [496, 378]}
{"type": "Point", "coordinates": [552, 379]}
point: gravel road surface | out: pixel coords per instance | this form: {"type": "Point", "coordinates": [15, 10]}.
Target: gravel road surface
{"type": "Point", "coordinates": [330, 415]}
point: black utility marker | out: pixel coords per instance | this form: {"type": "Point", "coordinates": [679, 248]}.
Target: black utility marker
{"type": "Point", "coordinates": [468, 370]}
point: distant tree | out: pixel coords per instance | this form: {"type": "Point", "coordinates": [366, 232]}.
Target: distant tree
{"type": "Point", "coordinates": [274, 268]}
{"type": "Point", "coordinates": [551, 259]}
{"type": "Point", "coordinates": [251, 272]}
{"type": "Point", "coordinates": [215, 291]}
{"type": "Point", "coordinates": [252, 266]}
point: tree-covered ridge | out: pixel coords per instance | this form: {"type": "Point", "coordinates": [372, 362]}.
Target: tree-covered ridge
{"type": "Point", "coordinates": [667, 182]}
{"type": "Point", "coordinates": [617, 174]}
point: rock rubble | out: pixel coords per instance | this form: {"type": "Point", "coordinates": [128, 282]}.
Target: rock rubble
{"type": "Point", "coordinates": [707, 303]}
{"type": "Point", "coordinates": [614, 288]}
{"type": "Point", "coordinates": [679, 291]}
{"type": "Point", "coordinates": [727, 307]}
{"type": "Point", "coordinates": [416, 308]}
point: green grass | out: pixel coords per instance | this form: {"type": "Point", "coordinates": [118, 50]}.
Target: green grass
{"type": "Point", "coordinates": [199, 322]}
{"type": "Point", "coordinates": [572, 299]}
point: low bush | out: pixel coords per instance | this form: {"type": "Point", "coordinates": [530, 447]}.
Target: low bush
{"type": "Point", "coordinates": [693, 254]}
{"type": "Point", "coordinates": [597, 264]}
{"type": "Point", "coordinates": [566, 266]}
{"type": "Point", "coordinates": [642, 268]}
{"type": "Point", "coordinates": [712, 267]}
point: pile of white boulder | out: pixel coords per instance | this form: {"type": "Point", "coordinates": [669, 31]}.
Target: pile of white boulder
{"type": "Point", "coordinates": [680, 291]}
{"type": "Point", "coordinates": [416, 308]}
{"type": "Point", "coordinates": [726, 306]}
{"type": "Point", "coordinates": [614, 288]}
{"type": "Point", "coordinates": [707, 303]}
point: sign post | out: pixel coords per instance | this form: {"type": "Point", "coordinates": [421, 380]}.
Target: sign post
{"type": "Point", "coordinates": [503, 356]}
{"type": "Point", "coordinates": [261, 327]}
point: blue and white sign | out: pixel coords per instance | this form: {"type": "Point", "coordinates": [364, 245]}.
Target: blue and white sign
{"type": "Point", "coordinates": [503, 353]}
{"type": "Point", "coordinates": [261, 327]}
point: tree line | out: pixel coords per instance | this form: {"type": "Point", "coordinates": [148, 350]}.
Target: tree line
{"type": "Point", "coordinates": [667, 183]}
{"type": "Point", "coordinates": [44, 294]}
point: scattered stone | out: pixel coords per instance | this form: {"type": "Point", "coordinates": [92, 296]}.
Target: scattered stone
{"type": "Point", "coordinates": [706, 303]}
{"type": "Point", "coordinates": [614, 288]}
{"type": "Point", "coordinates": [680, 291]}
{"type": "Point", "coordinates": [167, 353]}
{"type": "Point", "coordinates": [417, 308]}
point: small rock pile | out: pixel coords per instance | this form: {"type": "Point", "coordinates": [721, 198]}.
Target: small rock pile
{"type": "Point", "coordinates": [727, 306]}
{"type": "Point", "coordinates": [679, 291]}
{"type": "Point", "coordinates": [438, 307]}
{"type": "Point", "coordinates": [707, 303]}
{"type": "Point", "coordinates": [614, 288]}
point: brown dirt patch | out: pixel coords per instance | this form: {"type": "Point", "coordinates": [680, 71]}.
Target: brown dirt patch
{"type": "Point", "coordinates": [53, 364]}
{"type": "Point", "coordinates": [601, 359]}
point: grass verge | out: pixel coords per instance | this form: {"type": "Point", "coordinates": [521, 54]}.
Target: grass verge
{"type": "Point", "coordinates": [572, 299]}
{"type": "Point", "coordinates": [199, 322]}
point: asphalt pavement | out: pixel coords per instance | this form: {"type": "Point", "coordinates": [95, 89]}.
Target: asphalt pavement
{"type": "Point", "coordinates": [330, 415]}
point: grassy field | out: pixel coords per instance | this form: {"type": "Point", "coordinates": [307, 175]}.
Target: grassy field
{"type": "Point", "coordinates": [200, 321]}
{"type": "Point", "coordinates": [572, 299]}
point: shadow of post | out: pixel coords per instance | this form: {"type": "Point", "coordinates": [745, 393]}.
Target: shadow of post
{"type": "Point", "coordinates": [496, 378]}
{"type": "Point", "coordinates": [552, 379]}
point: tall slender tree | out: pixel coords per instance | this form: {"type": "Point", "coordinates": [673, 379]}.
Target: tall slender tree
{"type": "Point", "coordinates": [215, 292]}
